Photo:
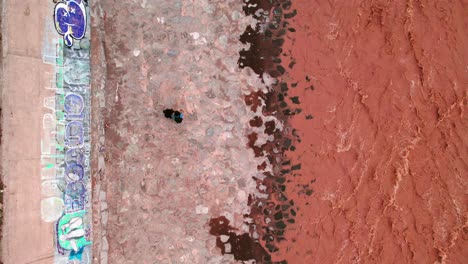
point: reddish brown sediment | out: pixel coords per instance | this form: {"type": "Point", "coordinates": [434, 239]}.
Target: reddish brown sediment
{"type": "Point", "coordinates": [384, 163]}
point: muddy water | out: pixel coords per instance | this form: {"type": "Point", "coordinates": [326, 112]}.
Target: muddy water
{"type": "Point", "coordinates": [383, 177]}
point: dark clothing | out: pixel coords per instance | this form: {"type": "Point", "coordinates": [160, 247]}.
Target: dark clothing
{"type": "Point", "coordinates": [174, 115]}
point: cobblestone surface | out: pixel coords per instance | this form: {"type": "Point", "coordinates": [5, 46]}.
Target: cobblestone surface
{"type": "Point", "coordinates": [164, 180]}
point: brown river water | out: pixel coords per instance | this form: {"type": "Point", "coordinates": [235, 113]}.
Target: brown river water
{"type": "Point", "coordinates": [385, 151]}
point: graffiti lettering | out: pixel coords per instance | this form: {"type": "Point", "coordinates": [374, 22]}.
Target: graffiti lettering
{"type": "Point", "coordinates": [74, 204]}
{"type": "Point", "coordinates": [66, 186]}
{"type": "Point", "coordinates": [74, 134]}
{"type": "Point", "coordinates": [74, 172]}
{"type": "Point", "coordinates": [74, 156]}
{"type": "Point", "coordinates": [70, 20]}
{"type": "Point", "coordinates": [74, 105]}
{"type": "Point", "coordinates": [71, 232]}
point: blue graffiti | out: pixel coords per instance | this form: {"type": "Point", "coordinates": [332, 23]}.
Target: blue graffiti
{"type": "Point", "coordinates": [70, 20]}
{"type": "Point", "coordinates": [75, 196]}
{"type": "Point", "coordinates": [74, 172]}
{"type": "Point", "coordinates": [74, 104]}
{"type": "Point", "coordinates": [76, 255]}
{"type": "Point", "coordinates": [74, 134]}
{"type": "Point", "coordinates": [74, 156]}
{"type": "Point", "coordinates": [74, 204]}
{"type": "Point", "coordinates": [75, 189]}
{"type": "Point", "coordinates": [73, 229]}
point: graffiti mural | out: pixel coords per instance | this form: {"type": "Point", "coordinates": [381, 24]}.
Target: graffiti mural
{"type": "Point", "coordinates": [70, 20]}
{"type": "Point", "coordinates": [74, 227]}
{"type": "Point", "coordinates": [72, 234]}
{"type": "Point", "coordinates": [66, 147]}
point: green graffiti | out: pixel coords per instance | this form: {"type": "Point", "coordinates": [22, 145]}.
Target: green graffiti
{"type": "Point", "coordinates": [61, 99]}
{"type": "Point", "coordinates": [59, 76]}
{"type": "Point", "coordinates": [59, 60]}
{"type": "Point", "coordinates": [71, 231]}
{"type": "Point", "coordinates": [60, 115]}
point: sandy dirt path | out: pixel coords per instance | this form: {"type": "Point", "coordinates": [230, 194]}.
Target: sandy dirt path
{"type": "Point", "coordinates": [26, 238]}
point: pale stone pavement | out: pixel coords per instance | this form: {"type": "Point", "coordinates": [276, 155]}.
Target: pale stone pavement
{"type": "Point", "coordinates": [26, 238]}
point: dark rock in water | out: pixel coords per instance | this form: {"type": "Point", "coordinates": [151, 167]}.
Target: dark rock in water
{"type": "Point", "coordinates": [243, 247]}
{"type": "Point", "coordinates": [296, 167]}
{"type": "Point", "coordinates": [295, 100]}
